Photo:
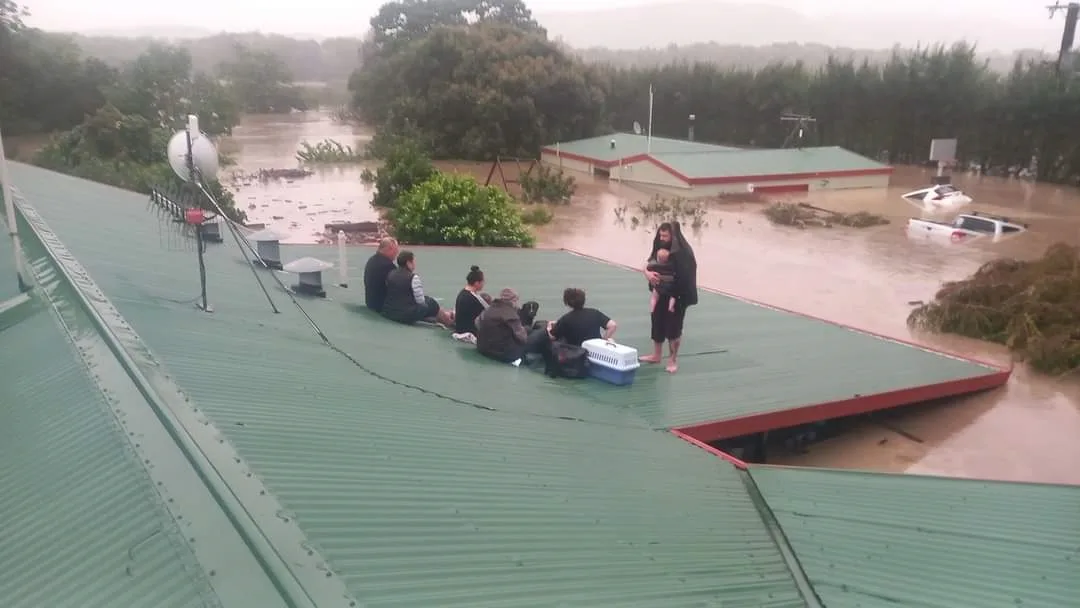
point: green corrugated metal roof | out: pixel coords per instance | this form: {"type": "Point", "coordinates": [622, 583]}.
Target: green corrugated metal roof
{"type": "Point", "coordinates": [493, 492]}
{"type": "Point", "coordinates": [628, 144]}
{"type": "Point", "coordinates": [82, 524]}
{"type": "Point", "coordinates": [869, 540]}
{"type": "Point", "coordinates": [767, 162]}
{"type": "Point", "coordinates": [739, 359]}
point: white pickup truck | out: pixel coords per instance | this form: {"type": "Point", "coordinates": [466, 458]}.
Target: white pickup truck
{"type": "Point", "coordinates": [964, 227]}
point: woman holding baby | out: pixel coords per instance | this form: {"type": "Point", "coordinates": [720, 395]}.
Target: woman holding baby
{"type": "Point", "coordinates": [672, 275]}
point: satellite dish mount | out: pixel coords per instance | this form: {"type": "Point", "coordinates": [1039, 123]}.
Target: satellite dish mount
{"type": "Point", "coordinates": [194, 159]}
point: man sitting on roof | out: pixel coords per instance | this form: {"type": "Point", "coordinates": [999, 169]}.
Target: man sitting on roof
{"type": "Point", "coordinates": [405, 299]}
{"type": "Point", "coordinates": [378, 268]}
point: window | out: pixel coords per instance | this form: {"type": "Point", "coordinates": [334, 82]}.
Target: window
{"type": "Point", "coordinates": [976, 224]}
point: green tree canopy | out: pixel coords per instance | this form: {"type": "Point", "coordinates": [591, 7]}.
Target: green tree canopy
{"type": "Point", "coordinates": [260, 81]}
{"type": "Point", "coordinates": [45, 84]}
{"type": "Point", "coordinates": [889, 110]}
{"type": "Point", "coordinates": [397, 24]}
{"type": "Point", "coordinates": [483, 90]}
{"type": "Point", "coordinates": [455, 210]}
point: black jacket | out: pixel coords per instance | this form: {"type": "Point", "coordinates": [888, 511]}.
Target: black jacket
{"type": "Point", "coordinates": [499, 332]}
{"type": "Point", "coordinates": [401, 305]}
{"type": "Point", "coordinates": [682, 258]}
{"type": "Point", "coordinates": [376, 270]}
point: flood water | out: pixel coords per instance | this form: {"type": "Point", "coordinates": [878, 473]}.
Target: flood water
{"type": "Point", "coordinates": [866, 278]}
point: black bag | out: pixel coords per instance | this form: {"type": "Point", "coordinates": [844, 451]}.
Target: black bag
{"type": "Point", "coordinates": [568, 361]}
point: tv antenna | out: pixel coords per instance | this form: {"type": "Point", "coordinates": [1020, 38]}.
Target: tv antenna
{"type": "Point", "coordinates": [802, 123]}
{"type": "Point", "coordinates": [194, 159]}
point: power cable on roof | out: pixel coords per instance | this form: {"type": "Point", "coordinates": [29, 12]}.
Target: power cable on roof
{"type": "Point", "coordinates": [326, 340]}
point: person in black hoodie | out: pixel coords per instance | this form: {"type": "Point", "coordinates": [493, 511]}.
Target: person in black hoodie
{"type": "Point", "coordinates": [667, 321]}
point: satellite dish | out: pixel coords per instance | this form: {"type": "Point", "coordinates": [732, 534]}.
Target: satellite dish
{"type": "Point", "coordinates": [203, 152]}
{"type": "Point", "coordinates": [637, 128]}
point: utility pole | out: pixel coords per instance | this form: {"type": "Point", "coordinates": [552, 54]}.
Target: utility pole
{"type": "Point", "coordinates": [802, 121]}
{"type": "Point", "coordinates": [1068, 34]}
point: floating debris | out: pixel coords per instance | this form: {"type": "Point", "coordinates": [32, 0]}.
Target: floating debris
{"type": "Point", "coordinates": [801, 215]}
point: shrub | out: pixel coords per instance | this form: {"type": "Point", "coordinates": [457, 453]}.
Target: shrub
{"type": "Point", "coordinates": [537, 215]}
{"type": "Point", "coordinates": [455, 210]}
{"type": "Point", "coordinates": [405, 166]}
{"type": "Point", "coordinates": [328, 151]}
{"type": "Point", "coordinates": [547, 185]}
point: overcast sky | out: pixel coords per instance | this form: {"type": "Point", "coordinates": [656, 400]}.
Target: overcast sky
{"type": "Point", "coordinates": [350, 17]}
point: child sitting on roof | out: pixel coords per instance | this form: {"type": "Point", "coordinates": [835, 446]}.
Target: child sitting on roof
{"type": "Point", "coordinates": [662, 266]}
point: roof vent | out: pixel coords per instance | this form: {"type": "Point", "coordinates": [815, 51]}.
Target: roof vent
{"type": "Point", "coordinates": [612, 143]}
{"type": "Point", "coordinates": [268, 246]}
{"type": "Point", "coordinates": [310, 272]}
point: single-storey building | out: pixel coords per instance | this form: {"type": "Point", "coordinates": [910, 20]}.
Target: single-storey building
{"type": "Point", "coordinates": [695, 169]}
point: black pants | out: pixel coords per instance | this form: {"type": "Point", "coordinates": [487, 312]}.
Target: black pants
{"type": "Point", "coordinates": [667, 324]}
{"type": "Point", "coordinates": [537, 342]}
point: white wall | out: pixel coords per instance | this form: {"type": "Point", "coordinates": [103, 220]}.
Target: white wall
{"type": "Point", "coordinates": [834, 183]}
{"type": "Point", "coordinates": [566, 164]}
{"type": "Point", "coordinates": [645, 172]}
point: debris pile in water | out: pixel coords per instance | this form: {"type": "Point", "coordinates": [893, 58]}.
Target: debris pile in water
{"type": "Point", "coordinates": [1031, 307]}
{"type": "Point", "coordinates": [802, 215]}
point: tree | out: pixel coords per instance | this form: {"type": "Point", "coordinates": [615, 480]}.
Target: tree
{"type": "Point", "coordinates": [45, 84]}
{"type": "Point", "coordinates": [455, 210]}
{"type": "Point", "coordinates": [124, 142]}
{"type": "Point", "coordinates": [260, 81]}
{"type": "Point", "coordinates": [893, 108]}
{"type": "Point", "coordinates": [404, 167]}
{"type": "Point", "coordinates": [161, 86]}
{"type": "Point", "coordinates": [397, 24]}
{"type": "Point", "coordinates": [478, 91]}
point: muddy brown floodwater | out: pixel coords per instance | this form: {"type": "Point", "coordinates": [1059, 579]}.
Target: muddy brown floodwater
{"type": "Point", "coordinates": [866, 278]}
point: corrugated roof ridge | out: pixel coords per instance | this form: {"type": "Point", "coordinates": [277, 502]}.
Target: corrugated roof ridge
{"type": "Point", "coordinates": [776, 531]}
{"type": "Point", "coordinates": [315, 584]}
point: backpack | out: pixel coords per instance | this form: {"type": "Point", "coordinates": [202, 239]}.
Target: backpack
{"type": "Point", "coordinates": [568, 361]}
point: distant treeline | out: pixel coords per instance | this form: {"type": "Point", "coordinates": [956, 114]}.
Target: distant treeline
{"type": "Point", "coordinates": [756, 57]}
{"type": "Point", "coordinates": [333, 60]}
{"type": "Point", "coordinates": [478, 79]}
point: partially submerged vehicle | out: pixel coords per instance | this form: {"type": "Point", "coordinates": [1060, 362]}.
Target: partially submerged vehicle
{"type": "Point", "coordinates": [964, 227]}
{"type": "Point", "coordinates": [941, 196]}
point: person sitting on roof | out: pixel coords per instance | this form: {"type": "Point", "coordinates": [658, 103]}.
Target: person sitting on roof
{"type": "Point", "coordinates": [468, 306]}
{"type": "Point", "coordinates": [405, 299]}
{"type": "Point", "coordinates": [502, 333]}
{"type": "Point", "coordinates": [378, 268]}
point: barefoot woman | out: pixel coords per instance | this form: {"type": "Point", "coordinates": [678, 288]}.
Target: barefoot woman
{"type": "Point", "coordinates": [667, 321]}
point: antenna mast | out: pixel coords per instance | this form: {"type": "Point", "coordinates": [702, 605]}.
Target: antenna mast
{"type": "Point", "coordinates": [1068, 34]}
{"type": "Point", "coordinates": [193, 157]}
{"type": "Point", "coordinates": [802, 122]}
{"type": "Point", "coordinates": [195, 215]}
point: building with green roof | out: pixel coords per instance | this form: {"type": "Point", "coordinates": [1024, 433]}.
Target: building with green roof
{"type": "Point", "coordinates": [695, 169]}
{"type": "Point", "coordinates": [307, 454]}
